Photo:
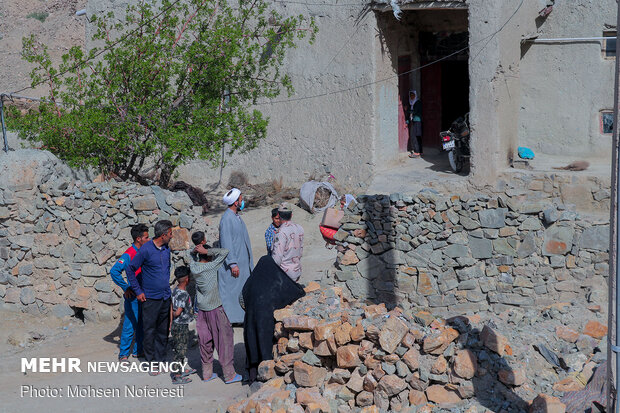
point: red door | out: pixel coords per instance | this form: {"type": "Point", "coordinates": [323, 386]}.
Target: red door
{"type": "Point", "coordinates": [404, 65]}
{"type": "Point", "coordinates": [431, 105]}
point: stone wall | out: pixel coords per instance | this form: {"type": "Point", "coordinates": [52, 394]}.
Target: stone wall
{"type": "Point", "coordinates": [585, 192]}
{"type": "Point", "coordinates": [455, 254]}
{"type": "Point", "coordinates": [59, 235]}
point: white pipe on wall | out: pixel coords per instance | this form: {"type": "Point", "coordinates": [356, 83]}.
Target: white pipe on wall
{"type": "Point", "coordinates": [567, 39]}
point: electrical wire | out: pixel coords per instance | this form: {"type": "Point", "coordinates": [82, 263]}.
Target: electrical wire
{"type": "Point", "coordinates": [319, 4]}
{"type": "Point", "coordinates": [125, 36]}
{"type": "Point", "coordinates": [108, 48]}
{"type": "Point", "coordinates": [348, 89]}
{"type": "Point", "coordinates": [324, 94]}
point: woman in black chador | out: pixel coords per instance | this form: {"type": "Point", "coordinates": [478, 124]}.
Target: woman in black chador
{"type": "Point", "coordinates": [414, 120]}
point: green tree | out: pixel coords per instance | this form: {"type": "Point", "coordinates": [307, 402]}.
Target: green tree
{"type": "Point", "coordinates": [170, 84]}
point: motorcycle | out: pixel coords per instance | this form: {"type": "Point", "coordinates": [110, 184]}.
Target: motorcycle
{"type": "Point", "coordinates": [456, 142]}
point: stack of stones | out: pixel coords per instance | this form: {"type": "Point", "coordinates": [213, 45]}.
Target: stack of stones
{"type": "Point", "coordinates": [469, 253]}
{"type": "Point", "coordinates": [586, 191]}
{"type": "Point", "coordinates": [59, 236]}
{"type": "Point", "coordinates": [335, 355]}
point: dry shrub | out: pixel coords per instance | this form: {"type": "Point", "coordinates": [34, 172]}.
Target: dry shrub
{"type": "Point", "coordinates": [237, 179]}
{"type": "Point", "coordinates": [277, 185]}
{"type": "Point", "coordinates": [321, 198]}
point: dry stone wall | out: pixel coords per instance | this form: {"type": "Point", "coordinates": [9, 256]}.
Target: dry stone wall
{"type": "Point", "coordinates": [59, 235]}
{"type": "Point", "coordinates": [458, 254]}
{"type": "Point", "coordinates": [584, 192]}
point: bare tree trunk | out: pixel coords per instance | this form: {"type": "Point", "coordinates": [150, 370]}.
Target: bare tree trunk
{"type": "Point", "coordinates": [165, 176]}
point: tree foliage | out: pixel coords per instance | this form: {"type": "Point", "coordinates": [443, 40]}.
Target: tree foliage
{"type": "Point", "coordinates": [174, 83]}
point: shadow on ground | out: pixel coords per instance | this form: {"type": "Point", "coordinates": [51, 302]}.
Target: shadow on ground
{"type": "Point", "coordinates": [115, 335]}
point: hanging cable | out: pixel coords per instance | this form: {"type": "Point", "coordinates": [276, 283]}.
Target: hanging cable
{"type": "Point", "coordinates": [108, 48]}
{"type": "Point", "coordinates": [364, 85]}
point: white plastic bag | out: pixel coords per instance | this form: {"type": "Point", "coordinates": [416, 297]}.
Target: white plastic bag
{"type": "Point", "coordinates": [308, 191]}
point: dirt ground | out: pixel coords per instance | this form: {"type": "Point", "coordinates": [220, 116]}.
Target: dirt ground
{"type": "Point", "coordinates": [99, 342]}
{"type": "Point", "coordinates": [433, 170]}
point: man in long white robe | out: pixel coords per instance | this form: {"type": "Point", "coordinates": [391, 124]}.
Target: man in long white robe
{"type": "Point", "coordinates": [239, 263]}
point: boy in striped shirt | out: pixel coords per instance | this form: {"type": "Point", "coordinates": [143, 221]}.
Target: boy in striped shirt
{"type": "Point", "coordinates": [212, 324]}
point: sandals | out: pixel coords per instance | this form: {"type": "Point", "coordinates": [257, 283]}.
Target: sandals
{"type": "Point", "coordinates": [414, 155]}
{"type": "Point", "coordinates": [123, 358]}
{"type": "Point", "coordinates": [180, 379]}
{"type": "Point", "coordinates": [138, 356]}
{"type": "Point", "coordinates": [213, 376]}
{"type": "Point", "coordinates": [188, 372]}
{"type": "Point", "coordinates": [235, 379]}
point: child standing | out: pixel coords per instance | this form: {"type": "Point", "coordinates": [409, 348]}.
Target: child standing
{"type": "Point", "coordinates": [181, 316]}
{"type": "Point", "coordinates": [212, 324]}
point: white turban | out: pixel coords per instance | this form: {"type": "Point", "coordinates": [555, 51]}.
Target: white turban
{"type": "Point", "coordinates": [231, 196]}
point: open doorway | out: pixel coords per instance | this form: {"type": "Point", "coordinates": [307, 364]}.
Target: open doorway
{"type": "Point", "coordinates": [444, 83]}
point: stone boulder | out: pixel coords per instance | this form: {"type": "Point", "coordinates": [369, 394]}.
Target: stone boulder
{"type": "Point", "coordinates": [25, 169]}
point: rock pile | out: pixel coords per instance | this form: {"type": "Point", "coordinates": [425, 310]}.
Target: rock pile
{"type": "Point", "coordinates": [469, 253]}
{"type": "Point", "coordinates": [335, 355]}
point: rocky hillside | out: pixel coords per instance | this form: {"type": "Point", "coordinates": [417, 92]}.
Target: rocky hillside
{"type": "Point", "coordinates": [55, 24]}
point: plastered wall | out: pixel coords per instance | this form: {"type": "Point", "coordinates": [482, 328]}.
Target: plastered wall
{"type": "Point", "coordinates": [546, 97]}
{"type": "Point", "coordinates": [318, 135]}
{"type": "Point", "coordinates": [565, 86]}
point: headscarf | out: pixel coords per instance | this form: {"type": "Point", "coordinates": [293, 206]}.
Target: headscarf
{"type": "Point", "coordinates": [412, 102]}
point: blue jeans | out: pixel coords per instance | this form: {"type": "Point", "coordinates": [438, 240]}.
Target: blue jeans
{"type": "Point", "coordinates": [132, 328]}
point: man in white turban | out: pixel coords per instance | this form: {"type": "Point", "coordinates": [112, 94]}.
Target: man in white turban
{"type": "Point", "coordinates": [239, 263]}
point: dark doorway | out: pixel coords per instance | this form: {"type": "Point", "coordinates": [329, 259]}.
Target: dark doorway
{"type": "Point", "coordinates": [431, 98]}
{"type": "Point", "coordinates": [454, 91]}
{"type": "Point", "coordinates": [445, 83]}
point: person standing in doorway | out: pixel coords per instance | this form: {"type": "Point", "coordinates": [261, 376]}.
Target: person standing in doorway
{"type": "Point", "coordinates": [132, 322]}
{"type": "Point", "coordinates": [239, 263]}
{"type": "Point", "coordinates": [152, 288]}
{"type": "Point", "coordinates": [414, 120]}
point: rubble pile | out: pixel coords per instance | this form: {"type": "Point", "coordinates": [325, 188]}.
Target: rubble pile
{"type": "Point", "coordinates": [336, 355]}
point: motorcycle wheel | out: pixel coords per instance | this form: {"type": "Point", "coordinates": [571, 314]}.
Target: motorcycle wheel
{"type": "Point", "coordinates": [456, 162]}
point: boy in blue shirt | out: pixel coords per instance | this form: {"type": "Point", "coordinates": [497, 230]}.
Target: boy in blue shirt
{"type": "Point", "coordinates": [132, 323]}
{"type": "Point", "coordinates": [270, 234]}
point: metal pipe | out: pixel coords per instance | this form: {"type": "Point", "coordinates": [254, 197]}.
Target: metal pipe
{"type": "Point", "coordinates": [614, 241]}
{"type": "Point", "coordinates": [80, 12]}
{"type": "Point", "coordinates": [6, 143]}
{"type": "Point", "coordinates": [567, 39]}
{"type": "Point", "coordinates": [13, 96]}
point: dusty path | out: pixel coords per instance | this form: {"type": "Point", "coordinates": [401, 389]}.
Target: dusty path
{"type": "Point", "coordinates": [99, 342]}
